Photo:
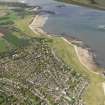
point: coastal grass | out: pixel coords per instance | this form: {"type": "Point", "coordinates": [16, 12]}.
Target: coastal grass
{"type": "Point", "coordinates": [94, 94]}
{"type": "Point", "coordinates": [17, 30]}
{"type": "Point", "coordinates": [23, 25]}
{"type": "Point", "coordinates": [15, 41]}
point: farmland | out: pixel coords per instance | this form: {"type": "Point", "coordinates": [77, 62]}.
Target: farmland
{"type": "Point", "coordinates": [12, 35]}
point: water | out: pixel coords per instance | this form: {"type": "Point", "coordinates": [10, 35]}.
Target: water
{"type": "Point", "coordinates": [82, 23]}
{"type": "Point", "coordinates": [86, 24]}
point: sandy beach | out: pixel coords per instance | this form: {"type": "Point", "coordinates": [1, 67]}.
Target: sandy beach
{"type": "Point", "coordinates": [37, 24]}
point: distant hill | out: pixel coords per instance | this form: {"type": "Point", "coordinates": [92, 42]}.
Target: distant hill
{"type": "Point", "coordinates": [22, 1]}
{"type": "Point", "coordinates": [100, 4]}
{"type": "Point", "coordinates": [9, 0]}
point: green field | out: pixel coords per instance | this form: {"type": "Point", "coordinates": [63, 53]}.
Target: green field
{"type": "Point", "coordinates": [14, 27]}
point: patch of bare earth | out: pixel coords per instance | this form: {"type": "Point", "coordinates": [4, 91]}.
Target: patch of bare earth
{"type": "Point", "coordinates": [2, 13]}
{"type": "Point", "coordinates": [1, 34]}
{"type": "Point", "coordinates": [85, 57]}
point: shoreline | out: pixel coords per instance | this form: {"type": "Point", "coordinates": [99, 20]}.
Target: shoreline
{"type": "Point", "coordinates": [88, 66]}
{"type": "Point", "coordinates": [37, 24]}
{"type": "Point", "coordinates": [84, 55]}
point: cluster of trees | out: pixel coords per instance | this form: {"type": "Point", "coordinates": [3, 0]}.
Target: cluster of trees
{"type": "Point", "coordinates": [92, 1]}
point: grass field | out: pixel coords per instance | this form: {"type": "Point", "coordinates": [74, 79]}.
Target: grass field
{"type": "Point", "coordinates": [22, 24]}
{"type": "Point", "coordinates": [14, 28]}
{"type": "Point", "coordinates": [4, 45]}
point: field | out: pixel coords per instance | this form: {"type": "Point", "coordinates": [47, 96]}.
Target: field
{"type": "Point", "coordinates": [35, 71]}
{"type": "Point", "coordinates": [14, 29]}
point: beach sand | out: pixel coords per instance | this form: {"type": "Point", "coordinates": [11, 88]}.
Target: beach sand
{"type": "Point", "coordinates": [37, 24]}
{"type": "Point", "coordinates": [103, 85]}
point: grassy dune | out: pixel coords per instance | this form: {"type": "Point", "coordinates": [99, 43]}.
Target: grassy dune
{"type": "Point", "coordinates": [14, 28]}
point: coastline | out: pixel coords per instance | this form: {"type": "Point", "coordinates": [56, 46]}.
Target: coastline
{"type": "Point", "coordinates": [37, 24]}
{"type": "Point", "coordinates": [85, 57]}
{"type": "Point", "coordinates": [83, 53]}
{"type": "Point", "coordinates": [97, 7]}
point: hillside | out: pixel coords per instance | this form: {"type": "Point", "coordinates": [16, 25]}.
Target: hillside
{"type": "Point", "coordinates": [99, 4]}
